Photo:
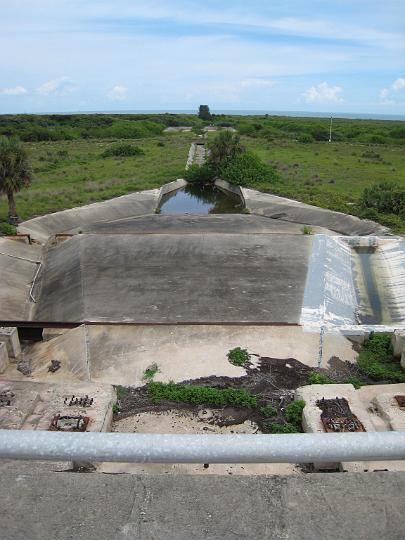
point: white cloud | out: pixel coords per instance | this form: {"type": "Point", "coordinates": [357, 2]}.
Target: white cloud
{"type": "Point", "coordinates": [388, 95]}
{"type": "Point", "coordinates": [256, 83]}
{"type": "Point", "coordinates": [398, 84]}
{"type": "Point", "coordinates": [57, 87]}
{"type": "Point", "coordinates": [323, 93]}
{"type": "Point", "coordinates": [16, 91]}
{"type": "Point", "coordinates": [118, 93]}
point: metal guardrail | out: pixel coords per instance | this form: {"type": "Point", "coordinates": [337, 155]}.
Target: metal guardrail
{"type": "Point", "coordinates": [153, 448]}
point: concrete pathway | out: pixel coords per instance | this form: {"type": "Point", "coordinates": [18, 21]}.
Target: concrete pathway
{"type": "Point", "coordinates": [73, 506]}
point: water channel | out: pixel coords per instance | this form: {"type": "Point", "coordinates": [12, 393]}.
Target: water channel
{"type": "Point", "coordinates": [199, 199]}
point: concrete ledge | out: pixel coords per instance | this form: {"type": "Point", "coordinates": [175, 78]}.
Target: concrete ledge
{"type": "Point", "coordinates": [226, 186]}
{"type": "Point", "coordinates": [298, 212]}
{"type": "Point", "coordinates": [43, 227]}
{"type": "Point", "coordinates": [123, 507]}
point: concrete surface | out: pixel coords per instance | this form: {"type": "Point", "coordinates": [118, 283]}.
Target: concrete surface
{"type": "Point", "coordinates": [189, 422]}
{"type": "Point", "coordinates": [9, 336]}
{"type": "Point", "coordinates": [4, 361]}
{"type": "Point", "coordinates": [374, 406]}
{"type": "Point", "coordinates": [33, 404]}
{"type": "Point", "coordinates": [18, 264]}
{"type": "Point", "coordinates": [67, 506]}
{"type": "Point", "coordinates": [195, 224]}
{"type": "Point", "coordinates": [43, 227]}
{"type": "Point", "coordinates": [298, 212]}
{"type": "Point", "coordinates": [148, 277]}
{"type": "Point", "coordinates": [181, 352]}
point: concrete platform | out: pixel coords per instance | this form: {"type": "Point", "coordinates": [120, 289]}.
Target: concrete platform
{"type": "Point", "coordinates": [34, 404]}
{"type": "Point", "coordinates": [67, 506]}
{"type": "Point", "coordinates": [119, 354]}
{"type": "Point", "coordinates": [146, 278]}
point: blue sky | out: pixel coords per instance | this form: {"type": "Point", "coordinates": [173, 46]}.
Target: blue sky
{"type": "Point", "coordinates": [304, 55]}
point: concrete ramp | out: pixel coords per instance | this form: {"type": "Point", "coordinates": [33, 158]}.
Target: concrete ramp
{"type": "Point", "coordinates": [19, 263]}
{"type": "Point", "coordinates": [170, 278]}
{"type": "Point", "coordinates": [70, 349]}
{"type": "Point", "coordinates": [290, 210]}
{"type": "Point", "coordinates": [43, 227]}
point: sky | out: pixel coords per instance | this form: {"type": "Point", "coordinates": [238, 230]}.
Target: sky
{"type": "Point", "coordinates": [288, 55]}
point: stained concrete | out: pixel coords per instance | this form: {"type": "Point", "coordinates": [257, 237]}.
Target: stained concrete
{"type": "Point", "coordinates": [194, 224]}
{"type": "Point", "coordinates": [34, 404]}
{"type": "Point", "coordinates": [18, 265]}
{"type": "Point", "coordinates": [120, 354]}
{"type": "Point", "coordinates": [290, 210]}
{"type": "Point", "coordinates": [66, 506]}
{"type": "Point", "coordinates": [147, 278]}
{"type": "Point", "coordinates": [43, 227]}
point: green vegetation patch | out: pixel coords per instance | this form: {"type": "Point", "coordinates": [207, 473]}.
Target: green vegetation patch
{"type": "Point", "coordinates": [150, 372]}
{"type": "Point", "coordinates": [377, 360]}
{"type": "Point", "coordinates": [7, 229]}
{"type": "Point", "coordinates": [268, 411]}
{"type": "Point", "coordinates": [283, 428]}
{"type": "Point", "coordinates": [122, 150]}
{"type": "Point", "coordinates": [200, 395]}
{"type": "Point", "coordinates": [293, 413]}
{"type": "Point", "coordinates": [238, 356]}
{"type": "Point", "coordinates": [319, 378]}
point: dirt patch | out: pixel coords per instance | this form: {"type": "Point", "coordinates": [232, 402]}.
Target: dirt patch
{"type": "Point", "coordinates": [272, 380]}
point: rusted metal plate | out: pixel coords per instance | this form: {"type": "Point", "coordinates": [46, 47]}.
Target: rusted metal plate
{"type": "Point", "coordinates": [78, 401]}
{"type": "Point", "coordinates": [69, 423]}
{"type": "Point", "coordinates": [400, 401]}
{"type": "Point", "coordinates": [337, 417]}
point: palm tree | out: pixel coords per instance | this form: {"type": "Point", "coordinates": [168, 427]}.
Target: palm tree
{"type": "Point", "coordinates": [224, 147]}
{"type": "Point", "coordinates": [15, 172]}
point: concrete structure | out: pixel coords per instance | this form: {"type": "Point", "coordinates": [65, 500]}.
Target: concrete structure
{"type": "Point", "coordinates": [33, 405]}
{"type": "Point", "coordinates": [181, 352]}
{"type": "Point", "coordinates": [4, 361]}
{"type": "Point", "coordinates": [374, 405]}
{"type": "Point", "coordinates": [289, 210]}
{"type": "Point", "coordinates": [125, 507]}
{"type": "Point", "coordinates": [138, 278]}
{"type": "Point", "coordinates": [9, 336]}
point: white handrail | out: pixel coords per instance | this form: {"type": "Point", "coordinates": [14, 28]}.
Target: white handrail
{"type": "Point", "coordinates": [155, 448]}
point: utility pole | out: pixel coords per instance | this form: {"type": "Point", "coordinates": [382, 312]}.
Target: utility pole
{"type": "Point", "coordinates": [330, 129]}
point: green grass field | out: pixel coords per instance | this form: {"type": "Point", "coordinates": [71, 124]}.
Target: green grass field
{"type": "Point", "coordinates": [73, 173]}
{"type": "Point", "coordinates": [331, 175]}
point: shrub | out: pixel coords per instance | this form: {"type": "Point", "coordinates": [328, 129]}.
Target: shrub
{"type": "Point", "coordinates": [9, 230]}
{"type": "Point", "coordinates": [122, 150]}
{"type": "Point", "coordinates": [283, 428]}
{"type": "Point", "coordinates": [384, 197]}
{"type": "Point", "coordinates": [305, 138]}
{"type": "Point", "coordinates": [293, 413]}
{"type": "Point", "coordinates": [319, 378]}
{"type": "Point", "coordinates": [197, 174]}
{"type": "Point", "coordinates": [238, 356]}
{"type": "Point", "coordinates": [307, 229]}
{"type": "Point", "coordinates": [268, 411]}
{"type": "Point", "coordinates": [199, 395]}
{"type": "Point", "coordinates": [247, 169]}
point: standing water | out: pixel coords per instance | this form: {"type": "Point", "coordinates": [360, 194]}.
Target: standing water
{"type": "Point", "coordinates": [200, 199]}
